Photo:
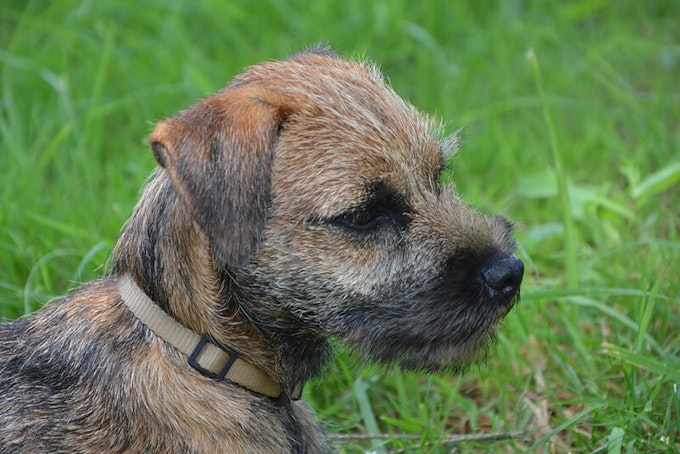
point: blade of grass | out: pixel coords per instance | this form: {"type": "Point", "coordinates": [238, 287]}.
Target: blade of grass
{"type": "Point", "coordinates": [571, 421]}
{"type": "Point", "coordinates": [647, 311]}
{"type": "Point", "coordinates": [367, 414]}
{"type": "Point", "coordinates": [562, 184]}
{"type": "Point", "coordinates": [657, 182]}
{"type": "Point", "coordinates": [615, 440]}
{"type": "Point", "coordinates": [642, 361]}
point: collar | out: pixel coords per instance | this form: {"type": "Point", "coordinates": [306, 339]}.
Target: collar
{"type": "Point", "coordinates": [206, 355]}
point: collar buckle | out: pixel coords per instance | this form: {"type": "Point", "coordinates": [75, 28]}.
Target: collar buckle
{"type": "Point", "coordinates": [205, 343]}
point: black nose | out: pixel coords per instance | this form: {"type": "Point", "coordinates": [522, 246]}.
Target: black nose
{"type": "Point", "coordinates": [503, 277]}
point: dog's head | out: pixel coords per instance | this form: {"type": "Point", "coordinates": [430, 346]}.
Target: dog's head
{"type": "Point", "coordinates": [319, 190]}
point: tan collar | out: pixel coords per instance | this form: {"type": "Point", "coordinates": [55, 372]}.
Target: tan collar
{"type": "Point", "coordinates": [204, 354]}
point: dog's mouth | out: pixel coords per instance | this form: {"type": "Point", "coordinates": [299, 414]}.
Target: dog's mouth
{"type": "Point", "coordinates": [448, 324]}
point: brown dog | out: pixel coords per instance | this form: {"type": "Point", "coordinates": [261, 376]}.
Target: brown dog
{"type": "Point", "coordinates": [300, 203]}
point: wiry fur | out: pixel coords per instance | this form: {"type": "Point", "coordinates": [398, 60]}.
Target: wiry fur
{"type": "Point", "coordinates": [300, 203]}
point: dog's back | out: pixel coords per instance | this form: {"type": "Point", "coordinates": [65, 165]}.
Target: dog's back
{"type": "Point", "coordinates": [61, 375]}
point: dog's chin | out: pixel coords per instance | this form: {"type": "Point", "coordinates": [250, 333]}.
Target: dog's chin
{"type": "Point", "coordinates": [433, 357]}
{"type": "Point", "coordinates": [426, 343]}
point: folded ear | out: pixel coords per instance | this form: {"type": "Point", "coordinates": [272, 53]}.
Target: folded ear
{"type": "Point", "coordinates": [219, 154]}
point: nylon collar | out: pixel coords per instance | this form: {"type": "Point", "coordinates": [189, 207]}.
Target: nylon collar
{"type": "Point", "coordinates": [204, 354]}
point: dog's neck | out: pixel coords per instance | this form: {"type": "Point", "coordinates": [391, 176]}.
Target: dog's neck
{"type": "Point", "coordinates": [168, 256]}
{"type": "Point", "coordinates": [207, 356]}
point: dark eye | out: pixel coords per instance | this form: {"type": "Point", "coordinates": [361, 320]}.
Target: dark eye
{"type": "Point", "coordinates": [363, 220]}
{"type": "Point", "coordinates": [382, 207]}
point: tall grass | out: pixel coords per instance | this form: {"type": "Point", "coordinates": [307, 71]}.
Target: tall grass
{"type": "Point", "coordinates": [586, 159]}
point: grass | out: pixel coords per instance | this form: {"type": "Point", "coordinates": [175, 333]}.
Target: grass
{"type": "Point", "coordinates": [579, 143]}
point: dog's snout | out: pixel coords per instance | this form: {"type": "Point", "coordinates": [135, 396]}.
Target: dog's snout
{"type": "Point", "coordinates": [503, 277]}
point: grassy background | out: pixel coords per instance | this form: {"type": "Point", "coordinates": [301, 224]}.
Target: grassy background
{"type": "Point", "coordinates": [587, 162]}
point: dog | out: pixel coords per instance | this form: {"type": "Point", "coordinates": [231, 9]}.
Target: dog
{"type": "Point", "coordinates": [301, 203]}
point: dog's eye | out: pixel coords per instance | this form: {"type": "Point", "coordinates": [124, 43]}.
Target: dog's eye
{"type": "Point", "coordinates": [363, 220]}
{"type": "Point", "coordinates": [381, 208]}
{"type": "Point", "coordinates": [373, 217]}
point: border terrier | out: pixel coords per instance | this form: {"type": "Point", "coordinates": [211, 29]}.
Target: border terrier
{"type": "Point", "coordinates": [299, 204]}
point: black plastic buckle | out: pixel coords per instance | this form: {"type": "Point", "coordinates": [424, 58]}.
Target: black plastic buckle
{"type": "Point", "coordinates": [193, 362]}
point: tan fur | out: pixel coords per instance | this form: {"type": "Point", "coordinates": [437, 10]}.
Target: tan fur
{"type": "Point", "coordinates": [300, 203]}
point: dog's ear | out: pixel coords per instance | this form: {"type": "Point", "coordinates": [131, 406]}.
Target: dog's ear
{"type": "Point", "coordinates": [219, 154]}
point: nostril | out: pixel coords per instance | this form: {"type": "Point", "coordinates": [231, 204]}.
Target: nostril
{"type": "Point", "coordinates": [504, 276]}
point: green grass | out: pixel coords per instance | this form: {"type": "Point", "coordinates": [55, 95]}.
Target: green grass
{"type": "Point", "coordinates": [578, 141]}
